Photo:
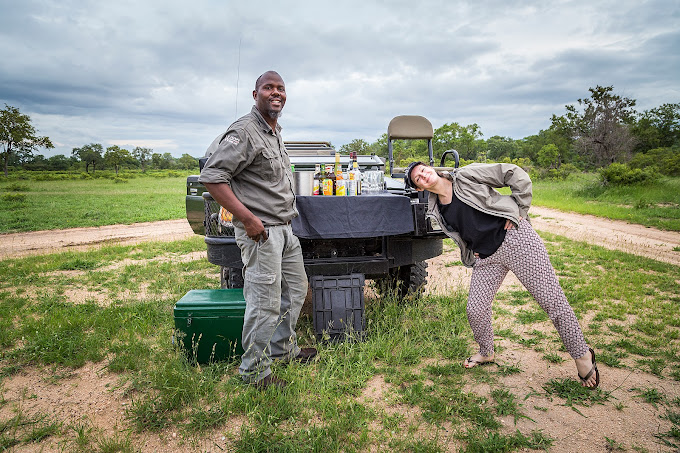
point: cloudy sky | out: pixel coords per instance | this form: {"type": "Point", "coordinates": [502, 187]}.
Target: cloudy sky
{"type": "Point", "coordinates": [171, 75]}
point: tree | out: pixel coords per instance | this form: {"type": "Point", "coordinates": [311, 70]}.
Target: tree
{"type": "Point", "coordinates": [36, 163]}
{"type": "Point", "coordinates": [90, 155]}
{"type": "Point", "coordinates": [600, 127]}
{"type": "Point", "coordinates": [116, 156]}
{"type": "Point", "coordinates": [379, 147]}
{"type": "Point", "coordinates": [658, 127]}
{"type": "Point", "coordinates": [142, 155]}
{"type": "Point", "coordinates": [187, 162]}
{"type": "Point", "coordinates": [548, 156]}
{"type": "Point", "coordinates": [162, 161]}
{"type": "Point", "coordinates": [499, 147]}
{"type": "Point", "coordinates": [18, 136]}
{"type": "Point", "coordinates": [60, 162]}
{"type": "Point", "coordinates": [359, 146]}
{"type": "Point", "coordinates": [463, 139]}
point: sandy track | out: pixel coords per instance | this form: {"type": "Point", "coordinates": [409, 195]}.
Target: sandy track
{"type": "Point", "coordinates": [612, 234]}
{"type": "Point", "coordinates": [15, 245]}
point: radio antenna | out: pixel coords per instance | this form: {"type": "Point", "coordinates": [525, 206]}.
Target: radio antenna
{"type": "Point", "coordinates": [238, 73]}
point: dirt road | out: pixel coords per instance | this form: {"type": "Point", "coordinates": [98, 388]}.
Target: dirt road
{"type": "Point", "coordinates": [16, 245]}
{"type": "Point", "coordinates": [611, 234]}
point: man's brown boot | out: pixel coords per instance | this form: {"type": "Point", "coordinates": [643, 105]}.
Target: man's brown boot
{"type": "Point", "coordinates": [270, 381]}
{"type": "Point", "coordinates": [306, 355]}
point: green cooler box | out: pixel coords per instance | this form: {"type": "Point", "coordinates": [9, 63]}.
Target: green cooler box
{"type": "Point", "coordinates": [209, 323]}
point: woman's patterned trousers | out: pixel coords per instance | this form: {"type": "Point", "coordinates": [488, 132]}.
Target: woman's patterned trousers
{"type": "Point", "coordinates": [523, 253]}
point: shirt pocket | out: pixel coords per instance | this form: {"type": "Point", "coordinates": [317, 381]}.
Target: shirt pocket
{"type": "Point", "coordinates": [272, 165]}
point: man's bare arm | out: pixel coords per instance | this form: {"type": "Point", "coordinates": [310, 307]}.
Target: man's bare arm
{"type": "Point", "coordinates": [223, 194]}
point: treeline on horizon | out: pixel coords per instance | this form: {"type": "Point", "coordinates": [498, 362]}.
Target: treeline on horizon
{"type": "Point", "coordinates": [601, 132]}
{"type": "Point", "coordinates": [92, 157]}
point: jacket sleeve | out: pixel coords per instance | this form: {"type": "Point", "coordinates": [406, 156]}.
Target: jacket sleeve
{"type": "Point", "coordinates": [508, 175]}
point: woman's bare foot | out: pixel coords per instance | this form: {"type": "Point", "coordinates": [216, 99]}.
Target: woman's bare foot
{"type": "Point", "coordinates": [477, 359]}
{"type": "Point", "coordinates": [587, 369]}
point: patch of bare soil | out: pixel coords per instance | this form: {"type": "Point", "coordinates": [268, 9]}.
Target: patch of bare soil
{"type": "Point", "coordinates": [573, 428]}
{"type": "Point", "coordinates": [611, 234]}
{"type": "Point", "coordinates": [14, 245]}
{"type": "Point", "coordinates": [93, 402]}
{"type": "Point", "coordinates": [96, 399]}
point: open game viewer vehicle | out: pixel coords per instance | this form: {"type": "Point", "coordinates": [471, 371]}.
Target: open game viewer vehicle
{"type": "Point", "coordinates": [384, 237]}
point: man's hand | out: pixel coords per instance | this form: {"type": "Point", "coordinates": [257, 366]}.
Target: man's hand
{"type": "Point", "coordinates": [255, 230]}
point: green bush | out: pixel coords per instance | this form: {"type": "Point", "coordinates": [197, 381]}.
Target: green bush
{"type": "Point", "coordinates": [14, 197]}
{"type": "Point", "coordinates": [622, 175]}
{"type": "Point", "coordinates": [564, 171]}
{"type": "Point", "coordinates": [43, 175]}
{"type": "Point", "coordinates": [666, 160]}
{"type": "Point", "coordinates": [16, 187]}
{"type": "Point", "coordinates": [129, 174]}
{"type": "Point", "coordinates": [561, 173]}
{"type": "Point", "coordinates": [49, 176]}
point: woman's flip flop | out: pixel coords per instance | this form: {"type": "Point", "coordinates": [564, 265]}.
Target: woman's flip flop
{"type": "Point", "coordinates": [594, 369]}
{"type": "Point", "coordinates": [475, 363]}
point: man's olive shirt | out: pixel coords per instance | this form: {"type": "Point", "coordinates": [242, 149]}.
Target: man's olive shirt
{"type": "Point", "coordinates": [252, 159]}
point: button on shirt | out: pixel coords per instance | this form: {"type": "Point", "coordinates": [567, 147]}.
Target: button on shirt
{"type": "Point", "coordinates": [252, 159]}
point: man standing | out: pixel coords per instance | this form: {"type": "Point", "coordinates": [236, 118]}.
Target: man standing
{"type": "Point", "coordinates": [249, 174]}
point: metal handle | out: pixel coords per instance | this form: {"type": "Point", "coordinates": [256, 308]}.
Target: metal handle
{"type": "Point", "coordinates": [455, 157]}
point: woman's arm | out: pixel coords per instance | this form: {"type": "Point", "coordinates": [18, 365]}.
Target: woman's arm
{"type": "Point", "coordinates": [506, 175]}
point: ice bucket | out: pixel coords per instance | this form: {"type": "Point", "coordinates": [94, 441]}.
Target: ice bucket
{"type": "Point", "coordinates": [303, 182]}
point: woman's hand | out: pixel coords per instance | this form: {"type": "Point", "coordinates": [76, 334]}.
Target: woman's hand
{"type": "Point", "coordinates": [509, 225]}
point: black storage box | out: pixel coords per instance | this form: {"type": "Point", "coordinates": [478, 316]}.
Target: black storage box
{"type": "Point", "coordinates": [338, 306]}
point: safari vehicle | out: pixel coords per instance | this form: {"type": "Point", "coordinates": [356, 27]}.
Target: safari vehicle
{"type": "Point", "coordinates": [384, 237]}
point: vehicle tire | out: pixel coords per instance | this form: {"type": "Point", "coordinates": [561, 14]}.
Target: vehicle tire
{"type": "Point", "coordinates": [231, 277]}
{"type": "Point", "coordinates": [405, 281]}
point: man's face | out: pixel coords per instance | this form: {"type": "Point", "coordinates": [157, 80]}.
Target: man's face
{"type": "Point", "coordinates": [424, 176]}
{"type": "Point", "coordinates": [270, 96]}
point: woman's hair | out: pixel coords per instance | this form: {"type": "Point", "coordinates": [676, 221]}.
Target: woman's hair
{"type": "Point", "coordinates": [407, 174]}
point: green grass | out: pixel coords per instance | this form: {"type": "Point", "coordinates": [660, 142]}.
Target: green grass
{"type": "Point", "coordinates": [124, 324]}
{"type": "Point", "coordinates": [30, 205]}
{"type": "Point", "coordinates": [656, 205]}
{"type": "Point", "coordinates": [47, 205]}
{"type": "Point", "coordinates": [26, 429]}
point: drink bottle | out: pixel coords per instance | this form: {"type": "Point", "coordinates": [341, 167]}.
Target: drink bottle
{"type": "Point", "coordinates": [351, 183]}
{"type": "Point", "coordinates": [357, 176]}
{"type": "Point", "coordinates": [317, 180]}
{"type": "Point", "coordinates": [340, 186]}
{"type": "Point", "coordinates": [329, 181]}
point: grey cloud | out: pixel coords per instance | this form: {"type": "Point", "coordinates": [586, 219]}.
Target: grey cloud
{"type": "Point", "coordinates": [163, 70]}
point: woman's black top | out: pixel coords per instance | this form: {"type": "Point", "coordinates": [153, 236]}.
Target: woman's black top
{"type": "Point", "coordinates": [482, 232]}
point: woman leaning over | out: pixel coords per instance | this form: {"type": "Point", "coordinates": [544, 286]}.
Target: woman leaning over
{"type": "Point", "coordinates": [494, 237]}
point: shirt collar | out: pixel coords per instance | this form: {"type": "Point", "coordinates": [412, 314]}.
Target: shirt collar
{"type": "Point", "coordinates": [263, 123]}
